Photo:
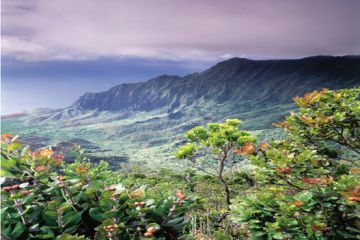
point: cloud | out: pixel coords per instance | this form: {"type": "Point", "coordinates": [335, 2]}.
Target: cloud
{"type": "Point", "coordinates": [42, 30]}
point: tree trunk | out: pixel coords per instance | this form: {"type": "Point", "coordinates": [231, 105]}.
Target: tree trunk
{"type": "Point", "coordinates": [227, 193]}
{"type": "Point", "coordinates": [222, 180]}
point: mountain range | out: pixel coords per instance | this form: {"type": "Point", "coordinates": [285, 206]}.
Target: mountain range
{"type": "Point", "coordinates": [236, 79]}
{"type": "Point", "coordinates": [143, 122]}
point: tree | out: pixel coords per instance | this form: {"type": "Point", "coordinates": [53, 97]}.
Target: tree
{"type": "Point", "coordinates": [214, 145]}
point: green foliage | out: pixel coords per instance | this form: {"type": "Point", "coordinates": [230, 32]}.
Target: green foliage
{"type": "Point", "coordinates": [308, 185]}
{"type": "Point", "coordinates": [326, 117]}
{"type": "Point", "coordinates": [301, 185]}
{"type": "Point", "coordinates": [45, 198]}
{"type": "Point", "coordinates": [219, 142]}
{"type": "Point", "coordinates": [185, 150]}
{"type": "Point", "coordinates": [216, 136]}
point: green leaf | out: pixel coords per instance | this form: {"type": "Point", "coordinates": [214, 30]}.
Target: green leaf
{"type": "Point", "coordinates": [48, 233]}
{"type": "Point", "coordinates": [119, 188]}
{"type": "Point", "coordinates": [50, 217]}
{"type": "Point", "coordinates": [25, 150]}
{"type": "Point", "coordinates": [24, 185]}
{"type": "Point", "coordinates": [304, 196]}
{"type": "Point", "coordinates": [18, 230]}
{"type": "Point", "coordinates": [8, 165]}
{"type": "Point", "coordinates": [13, 146]}
{"type": "Point", "coordinates": [278, 236]}
{"type": "Point", "coordinates": [95, 213]}
{"type": "Point", "coordinates": [66, 236]}
{"type": "Point", "coordinates": [72, 218]}
{"type": "Point", "coordinates": [34, 228]}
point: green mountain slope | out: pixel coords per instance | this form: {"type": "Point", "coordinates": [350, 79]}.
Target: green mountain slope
{"type": "Point", "coordinates": [143, 122]}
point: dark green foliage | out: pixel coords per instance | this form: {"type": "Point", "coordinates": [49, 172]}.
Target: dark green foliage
{"type": "Point", "coordinates": [309, 184]}
{"type": "Point", "coordinates": [80, 201]}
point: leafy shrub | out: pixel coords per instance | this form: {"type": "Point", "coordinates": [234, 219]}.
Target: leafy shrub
{"type": "Point", "coordinates": [309, 184]}
{"type": "Point", "coordinates": [44, 198]}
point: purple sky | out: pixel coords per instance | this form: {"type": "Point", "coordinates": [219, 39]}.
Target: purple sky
{"type": "Point", "coordinates": [193, 34]}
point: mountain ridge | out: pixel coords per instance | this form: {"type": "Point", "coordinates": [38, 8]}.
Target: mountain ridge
{"type": "Point", "coordinates": [225, 77]}
{"type": "Point", "coordinates": [143, 123]}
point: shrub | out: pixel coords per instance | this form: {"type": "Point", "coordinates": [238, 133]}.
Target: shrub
{"type": "Point", "coordinates": [45, 198]}
{"type": "Point", "coordinates": [310, 183]}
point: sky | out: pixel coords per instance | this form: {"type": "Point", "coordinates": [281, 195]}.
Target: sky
{"type": "Point", "coordinates": [54, 51]}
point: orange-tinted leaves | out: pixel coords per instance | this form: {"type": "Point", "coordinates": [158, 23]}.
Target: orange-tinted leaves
{"type": "Point", "coordinates": [297, 203]}
{"type": "Point", "coordinates": [40, 168]}
{"type": "Point", "coordinates": [7, 135]}
{"type": "Point", "coordinates": [353, 194]}
{"type": "Point", "coordinates": [47, 152]}
{"type": "Point", "coordinates": [264, 146]}
{"type": "Point", "coordinates": [284, 170]}
{"type": "Point", "coordinates": [180, 195]}
{"type": "Point", "coordinates": [247, 149]}
{"type": "Point", "coordinates": [284, 124]}
{"type": "Point", "coordinates": [82, 169]}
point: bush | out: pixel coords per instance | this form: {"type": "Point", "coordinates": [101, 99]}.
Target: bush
{"type": "Point", "coordinates": [309, 184]}
{"type": "Point", "coordinates": [44, 198]}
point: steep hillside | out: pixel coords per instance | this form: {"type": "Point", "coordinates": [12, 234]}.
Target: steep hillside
{"type": "Point", "coordinates": [236, 79]}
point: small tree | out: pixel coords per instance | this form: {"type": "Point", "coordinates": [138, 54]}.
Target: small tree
{"type": "Point", "coordinates": [219, 142]}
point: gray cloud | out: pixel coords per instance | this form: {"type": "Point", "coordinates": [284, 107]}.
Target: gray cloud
{"type": "Point", "coordinates": [179, 30]}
